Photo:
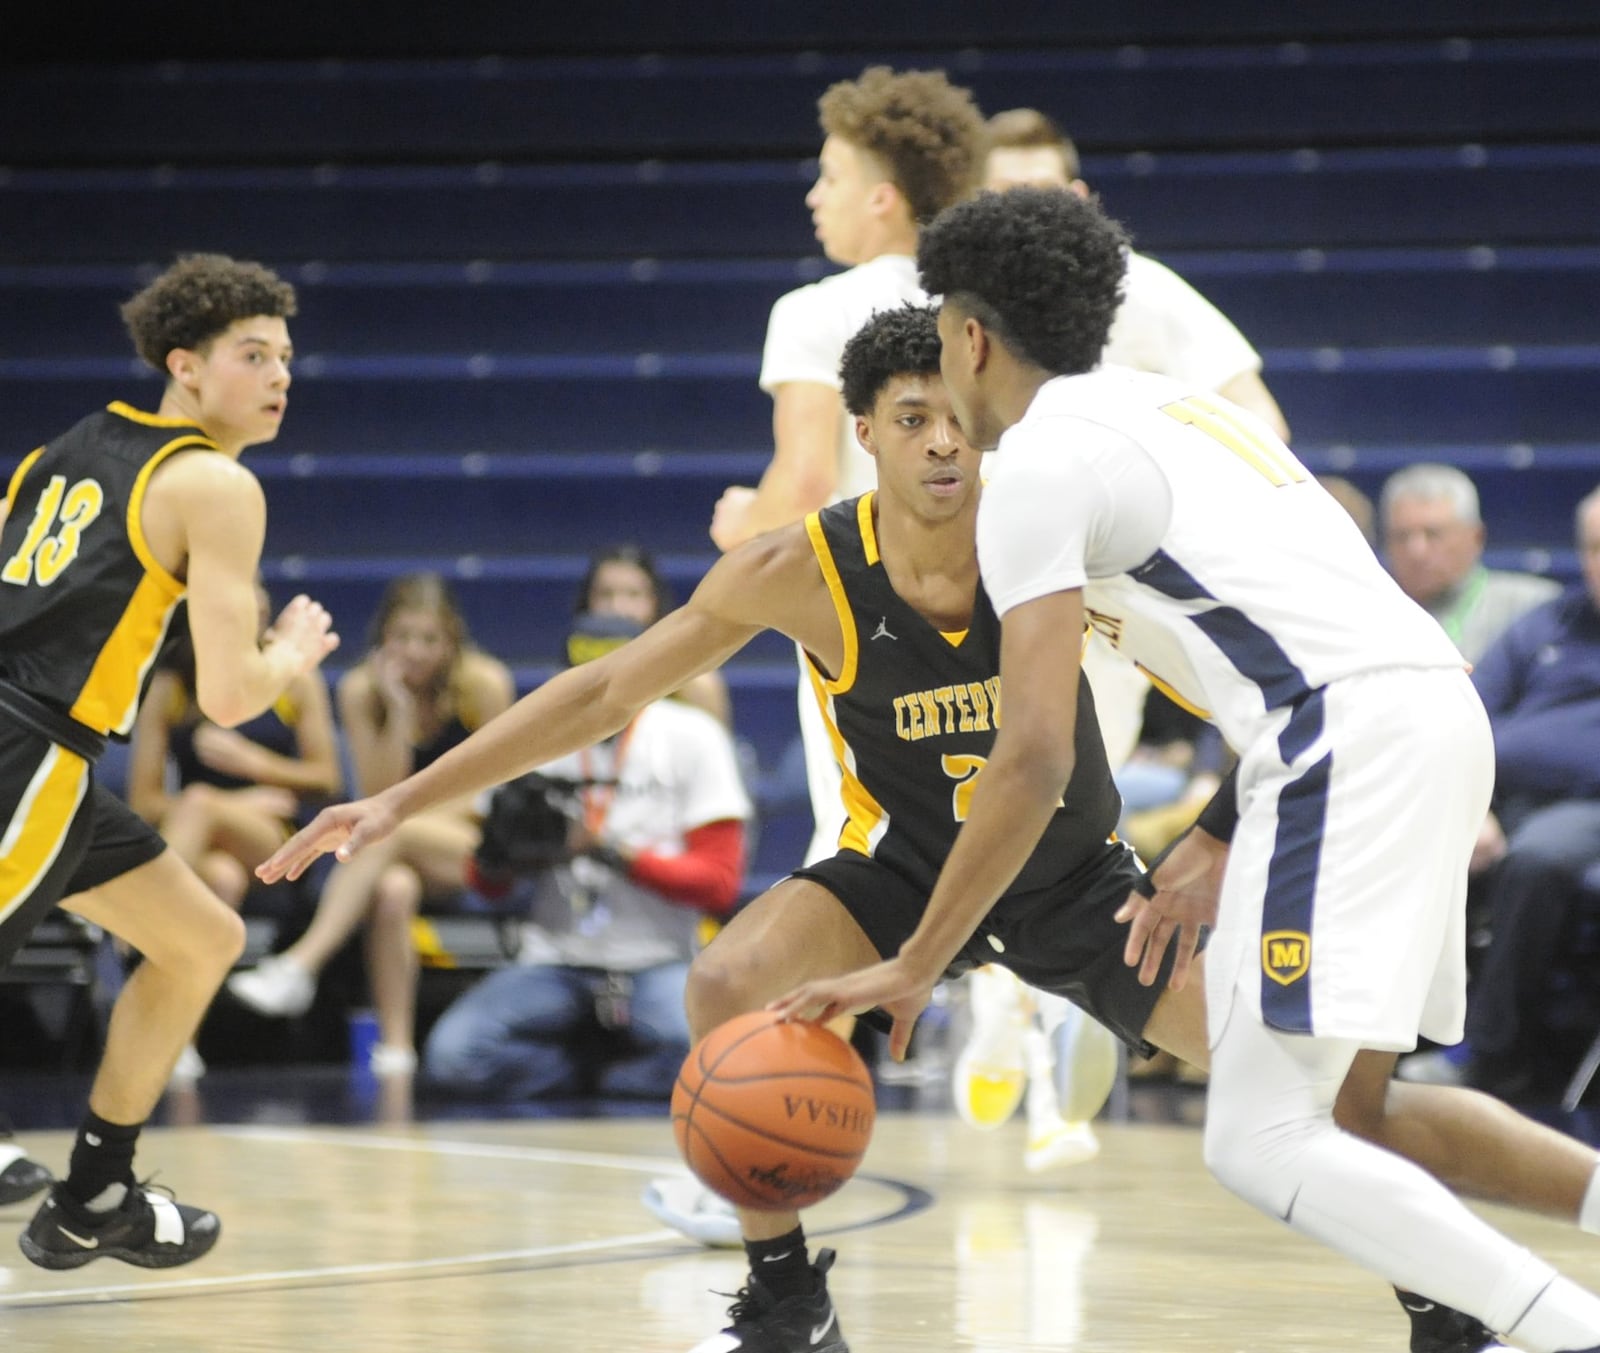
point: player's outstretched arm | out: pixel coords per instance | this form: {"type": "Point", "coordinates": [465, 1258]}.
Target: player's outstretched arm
{"type": "Point", "coordinates": [742, 595]}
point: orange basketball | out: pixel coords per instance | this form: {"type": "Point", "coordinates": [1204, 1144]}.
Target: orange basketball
{"type": "Point", "coordinates": [772, 1115]}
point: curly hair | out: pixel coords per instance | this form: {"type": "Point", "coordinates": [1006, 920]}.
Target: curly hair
{"type": "Point", "coordinates": [899, 342]}
{"type": "Point", "coordinates": [196, 299]}
{"type": "Point", "coordinates": [1041, 268]}
{"type": "Point", "coordinates": [928, 133]}
{"type": "Point", "coordinates": [1029, 129]}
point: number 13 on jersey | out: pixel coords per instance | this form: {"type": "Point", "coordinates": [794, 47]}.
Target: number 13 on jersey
{"type": "Point", "coordinates": [42, 555]}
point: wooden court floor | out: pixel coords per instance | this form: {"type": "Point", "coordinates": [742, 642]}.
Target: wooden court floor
{"type": "Point", "coordinates": [528, 1236]}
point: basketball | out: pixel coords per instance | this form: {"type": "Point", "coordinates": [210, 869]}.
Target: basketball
{"type": "Point", "coordinates": [772, 1115]}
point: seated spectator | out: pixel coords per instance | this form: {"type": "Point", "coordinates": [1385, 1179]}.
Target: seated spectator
{"type": "Point", "coordinates": [223, 799]}
{"type": "Point", "coordinates": [594, 1003]}
{"type": "Point", "coordinates": [1541, 685]}
{"type": "Point", "coordinates": [624, 581]}
{"type": "Point", "coordinates": [1433, 544]}
{"type": "Point", "coordinates": [422, 688]}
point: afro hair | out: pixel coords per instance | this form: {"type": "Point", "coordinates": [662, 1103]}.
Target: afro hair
{"type": "Point", "coordinates": [1041, 267]}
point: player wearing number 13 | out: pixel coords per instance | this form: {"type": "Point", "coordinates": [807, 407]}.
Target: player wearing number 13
{"type": "Point", "coordinates": [104, 531]}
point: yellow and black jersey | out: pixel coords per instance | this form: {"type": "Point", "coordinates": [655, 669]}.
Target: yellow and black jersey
{"type": "Point", "coordinates": [84, 606]}
{"type": "Point", "coordinates": [912, 717]}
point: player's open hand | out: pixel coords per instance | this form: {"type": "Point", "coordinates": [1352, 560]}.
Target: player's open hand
{"type": "Point", "coordinates": [306, 630]}
{"type": "Point", "coordinates": [343, 828]}
{"type": "Point", "coordinates": [894, 985]}
{"type": "Point", "coordinates": [1188, 891]}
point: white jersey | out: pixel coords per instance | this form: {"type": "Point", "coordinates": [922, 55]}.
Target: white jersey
{"type": "Point", "coordinates": [1164, 325]}
{"type": "Point", "coordinates": [675, 770]}
{"type": "Point", "coordinates": [806, 335]}
{"type": "Point", "coordinates": [1205, 550]}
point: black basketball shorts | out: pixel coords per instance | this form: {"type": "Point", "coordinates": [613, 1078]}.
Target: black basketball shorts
{"type": "Point", "coordinates": [60, 832]}
{"type": "Point", "coordinates": [1062, 939]}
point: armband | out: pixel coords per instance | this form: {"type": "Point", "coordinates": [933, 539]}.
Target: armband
{"type": "Point", "coordinates": [1221, 815]}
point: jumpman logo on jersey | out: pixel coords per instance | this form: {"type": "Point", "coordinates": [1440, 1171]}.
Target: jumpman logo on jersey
{"type": "Point", "coordinates": [882, 632]}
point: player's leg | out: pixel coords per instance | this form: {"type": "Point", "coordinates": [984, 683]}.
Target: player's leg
{"type": "Point", "coordinates": [1474, 1143]}
{"type": "Point", "coordinates": [794, 932]}
{"type": "Point", "coordinates": [1341, 925]}
{"type": "Point", "coordinates": [45, 823]}
{"type": "Point", "coordinates": [1176, 1022]}
{"type": "Point", "coordinates": [1270, 1137]}
{"type": "Point", "coordinates": [809, 926]}
{"type": "Point", "coordinates": [135, 888]}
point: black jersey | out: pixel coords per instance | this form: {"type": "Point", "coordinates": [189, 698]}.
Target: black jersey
{"type": "Point", "coordinates": [84, 606]}
{"type": "Point", "coordinates": [912, 717]}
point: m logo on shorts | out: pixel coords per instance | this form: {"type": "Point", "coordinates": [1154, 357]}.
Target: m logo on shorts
{"type": "Point", "coordinates": [1285, 955]}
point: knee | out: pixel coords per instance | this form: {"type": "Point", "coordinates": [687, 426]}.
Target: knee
{"type": "Point", "coordinates": [196, 799]}
{"type": "Point", "coordinates": [720, 986]}
{"type": "Point", "coordinates": [216, 942]}
{"type": "Point", "coordinates": [226, 877]}
{"type": "Point", "coordinates": [451, 1057]}
{"type": "Point", "coordinates": [1232, 1158]}
{"type": "Point", "coordinates": [1262, 1161]}
{"type": "Point", "coordinates": [397, 897]}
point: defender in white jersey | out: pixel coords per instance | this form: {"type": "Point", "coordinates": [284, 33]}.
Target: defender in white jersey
{"type": "Point", "coordinates": [900, 147]}
{"type": "Point", "coordinates": [1192, 535]}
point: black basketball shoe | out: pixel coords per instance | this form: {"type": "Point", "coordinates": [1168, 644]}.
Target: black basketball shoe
{"type": "Point", "coordinates": [1443, 1329]}
{"type": "Point", "coordinates": [763, 1324]}
{"type": "Point", "coordinates": [20, 1177]}
{"type": "Point", "coordinates": [149, 1230]}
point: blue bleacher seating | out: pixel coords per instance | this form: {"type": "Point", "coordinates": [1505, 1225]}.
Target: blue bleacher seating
{"type": "Point", "coordinates": [536, 255]}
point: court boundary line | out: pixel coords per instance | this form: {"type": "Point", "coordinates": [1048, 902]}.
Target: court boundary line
{"type": "Point", "coordinates": [913, 1199]}
{"type": "Point", "coordinates": [331, 1275]}
{"type": "Point", "coordinates": [545, 1155]}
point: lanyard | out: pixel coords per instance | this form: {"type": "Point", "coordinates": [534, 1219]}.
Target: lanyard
{"type": "Point", "coordinates": [598, 798]}
{"type": "Point", "coordinates": [1455, 619]}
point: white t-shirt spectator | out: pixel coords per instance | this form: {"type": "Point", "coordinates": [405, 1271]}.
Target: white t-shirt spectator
{"type": "Point", "coordinates": [675, 770]}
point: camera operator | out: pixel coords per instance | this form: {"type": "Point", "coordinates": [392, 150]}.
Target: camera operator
{"type": "Point", "coordinates": [630, 846]}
